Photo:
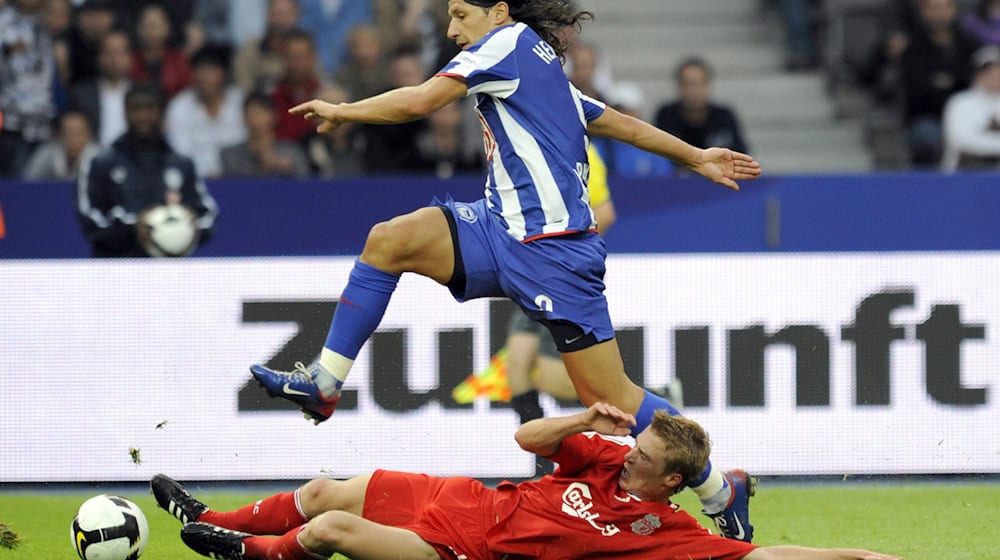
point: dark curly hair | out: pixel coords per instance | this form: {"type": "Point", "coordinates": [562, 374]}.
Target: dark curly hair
{"type": "Point", "coordinates": [547, 17]}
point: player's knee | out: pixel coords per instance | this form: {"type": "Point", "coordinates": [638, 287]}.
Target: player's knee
{"type": "Point", "coordinates": [330, 530]}
{"type": "Point", "coordinates": [317, 494]}
{"type": "Point", "coordinates": [387, 242]}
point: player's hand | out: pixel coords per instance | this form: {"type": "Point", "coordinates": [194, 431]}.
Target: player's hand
{"type": "Point", "coordinates": [725, 167]}
{"type": "Point", "coordinates": [318, 109]}
{"type": "Point", "coordinates": [609, 420]}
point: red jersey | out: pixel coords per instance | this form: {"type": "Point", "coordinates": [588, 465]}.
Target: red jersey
{"type": "Point", "coordinates": [578, 512]}
{"type": "Point", "coordinates": [581, 512]}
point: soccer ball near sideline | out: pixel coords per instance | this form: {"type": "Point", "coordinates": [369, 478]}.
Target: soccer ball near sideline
{"type": "Point", "coordinates": [168, 231]}
{"type": "Point", "coordinates": [109, 528]}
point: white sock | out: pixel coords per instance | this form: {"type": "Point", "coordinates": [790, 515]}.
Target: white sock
{"type": "Point", "coordinates": [714, 492]}
{"type": "Point", "coordinates": [332, 372]}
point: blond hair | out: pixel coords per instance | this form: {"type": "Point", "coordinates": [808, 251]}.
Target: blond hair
{"type": "Point", "coordinates": [687, 443]}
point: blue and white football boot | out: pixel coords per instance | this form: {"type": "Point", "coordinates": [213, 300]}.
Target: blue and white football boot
{"type": "Point", "coordinates": [299, 386]}
{"type": "Point", "coordinates": [733, 522]}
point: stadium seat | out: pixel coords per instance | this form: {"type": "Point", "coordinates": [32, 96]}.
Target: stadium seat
{"type": "Point", "coordinates": [852, 31]}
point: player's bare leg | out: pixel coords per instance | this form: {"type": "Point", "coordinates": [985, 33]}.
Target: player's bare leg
{"type": "Point", "coordinates": [522, 354]}
{"type": "Point", "coordinates": [551, 378]}
{"type": "Point", "coordinates": [330, 533]}
{"type": "Point", "coordinates": [598, 375]}
{"type": "Point", "coordinates": [356, 537]}
{"type": "Point", "coordinates": [417, 242]}
{"type": "Point", "coordinates": [325, 494]}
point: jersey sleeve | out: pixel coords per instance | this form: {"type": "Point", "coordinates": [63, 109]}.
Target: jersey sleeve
{"type": "Point", "coordinates": [488, 67]}
{"type": "Point", "coordinates": [592, 108]}
{"type": "Point", "coordinates": [686, 538]}
{"type": "Point", "coordinates": [580, 451]}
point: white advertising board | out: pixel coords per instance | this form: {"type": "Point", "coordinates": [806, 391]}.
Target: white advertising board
{"type": "Point", "coordinates": [899, 353]}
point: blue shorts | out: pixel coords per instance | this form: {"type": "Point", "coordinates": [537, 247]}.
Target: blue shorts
{"type": "Point", "coordinates": [558, 281]}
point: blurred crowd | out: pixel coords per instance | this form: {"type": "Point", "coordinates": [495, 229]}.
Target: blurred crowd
{"type": "Point", "coordinates": [228, 70]}
{"type": "Point", "coordinates": [938, 65]}
{"type": "Point", "coordinates": [934, 65]}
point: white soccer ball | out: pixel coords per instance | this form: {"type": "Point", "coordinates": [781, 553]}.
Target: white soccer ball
{"type": "Point", "coordinates": [173, 231]}
{"type": "Point", "coordinates": [109, 528]}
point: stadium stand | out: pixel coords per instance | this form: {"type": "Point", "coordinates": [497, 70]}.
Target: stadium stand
{"type": "Point", "coordinates": [789, 117]}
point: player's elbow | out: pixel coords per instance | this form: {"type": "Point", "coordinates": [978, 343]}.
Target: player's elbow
{"type": "Point", "coordinates": [525, 437]}
{"type": "Point", "coordinates": [531, 439]}
{"type": "Point", "coordinates": [521, 437]}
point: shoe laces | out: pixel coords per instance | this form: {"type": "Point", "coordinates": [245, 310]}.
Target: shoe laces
{"type": "Point", "coordinates": [301, 373]}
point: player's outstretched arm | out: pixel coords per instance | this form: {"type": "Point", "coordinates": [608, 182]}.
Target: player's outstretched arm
{"type": "Point", "coordinates": [720, 165]}
{"type": "Point", "coordinates": [805, 553]}
{"type": "Point", "coordinates": [545, 435]}
{"type": "Point", "coordinates": [392, 107]}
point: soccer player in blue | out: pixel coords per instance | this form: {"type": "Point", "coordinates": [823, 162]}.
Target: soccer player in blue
{"type": "Point", "coordinates": [533, 237]}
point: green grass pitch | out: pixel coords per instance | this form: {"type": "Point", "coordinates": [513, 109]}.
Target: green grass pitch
{"type": "Point", "coordinates": [919, 521]}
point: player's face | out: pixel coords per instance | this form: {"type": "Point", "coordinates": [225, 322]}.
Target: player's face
{"type": "Point", "coordinates": [642, 474]}
{"type": "Point", "coordinates": [471, 23]}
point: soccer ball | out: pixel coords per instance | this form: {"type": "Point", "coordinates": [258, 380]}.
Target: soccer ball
{"type": "Point", "coordinates": [109, 528]}
{"type": "Point", "coordinates": [172, 231]}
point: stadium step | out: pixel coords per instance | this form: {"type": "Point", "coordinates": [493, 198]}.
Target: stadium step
{"type": "Point", "coordinates": [789, 119]}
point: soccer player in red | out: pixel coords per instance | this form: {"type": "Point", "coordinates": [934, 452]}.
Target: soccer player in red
{"type": "Point", "coordinates": [607, 499]}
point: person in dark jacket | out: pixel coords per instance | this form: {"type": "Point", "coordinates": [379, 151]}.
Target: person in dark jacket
{"type": "Point", "coordinates": [139, 171]}
{"type": "Point", "coordinates": [935, 65]}
{"type": "Point", "coordinates": [693, 117]}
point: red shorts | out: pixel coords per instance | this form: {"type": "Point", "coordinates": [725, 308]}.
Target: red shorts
{"type": "Point", "coordinates": [451, 514]}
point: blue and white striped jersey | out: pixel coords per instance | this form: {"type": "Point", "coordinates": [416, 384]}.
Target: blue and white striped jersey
{"type": "Point", "coordinates": [534, 131]}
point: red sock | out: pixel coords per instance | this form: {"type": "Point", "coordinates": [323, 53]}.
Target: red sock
{"type": "Point", "coordinates": [271, 516]}
{"type": "Point", "coordinates": [285, 547]}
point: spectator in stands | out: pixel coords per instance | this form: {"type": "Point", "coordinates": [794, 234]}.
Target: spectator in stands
{"type": "Point", "coordinates": [983, 23]}
{"type": "Point", "coordinates": [880, 73]}
{"type": "Point", "coordinates": [800, 41]}
{"type": "Point", "coordinates": [209, 25]}
{"type": "Point", "coordinates": [393, 148]}
{"type": "Point", "coordinates": [154, 60]}
{"type": "Point", "coordinates": [337, 153]}
{"type": "Point", "coordinates": [440, 146]}
{"type": "Point", "coordinates": [57, 19]}
{"type": "Point", "coordinates": [247, 20]}
{"type": "Point", "coordinates": [415, 24]}
{"type": "Point", "coordinates": [262, 154]}
{"type": "Point", "coordinates": [329, 23]}
{"type": "Point", "coordinates": [94, 19]}
{"type": "Point", "coordinates": [259, 64]}
{"type": "Point", "coordinates": [693, 117]}
{"type": "Point", "coordinates": [137, 172]}
{"type": "Point", "coordinates": [208, 116]}
{"type": "Point", "coordinates": [972, 117]}
{"type": "Point", "coordinates": [64, 157]}
{"type": "Point", "coordinates": [625, 160]}
{"type": "Point", "coordinates": [935, 65]}
{"type": "Point", "coordinates": [364, 74]}
{"type": "Point", "coordinates": [179, 14]}
{"type": "Point", "coordinates": [299, 83]}
{"type": "Point", "coordinates": [27, 77]}
{"type": "Point", "coordinates": [587, 70]}
{"type": "Point", "coordinates": [102, 98]}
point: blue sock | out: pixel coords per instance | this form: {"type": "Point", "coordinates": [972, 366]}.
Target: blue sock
{"type": "Point", "coordinates": [650, 404]}
{"type": "Point", "coordinates": [360, 310]}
